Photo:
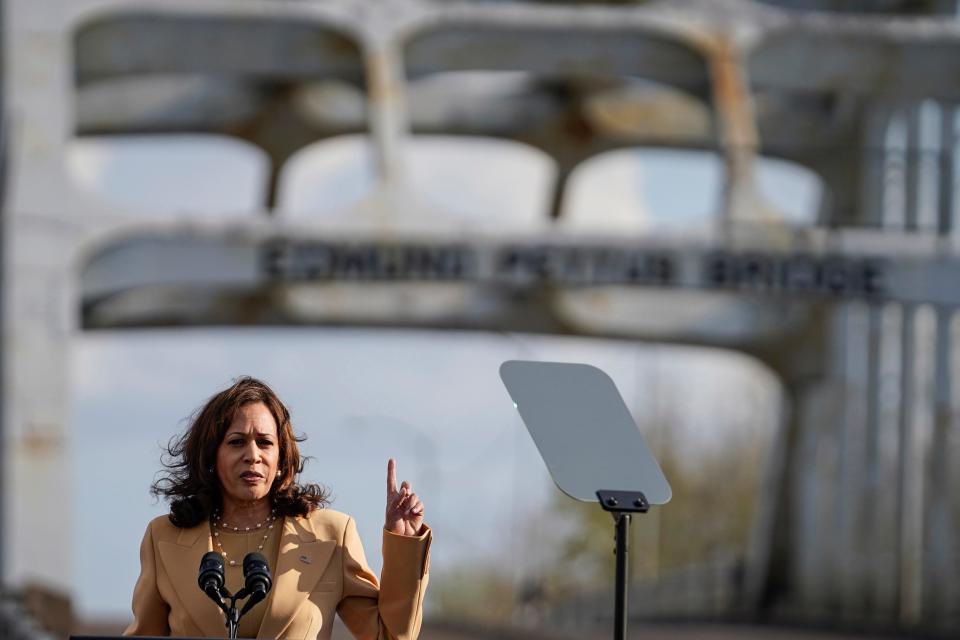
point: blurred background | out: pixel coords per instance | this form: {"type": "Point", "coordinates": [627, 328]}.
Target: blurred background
{"type": "Point", "coordinates": [744, 211]}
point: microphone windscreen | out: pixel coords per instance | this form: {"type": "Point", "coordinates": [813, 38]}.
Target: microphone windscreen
{"type": "Point", "coordinates": [211, 571]}
{"type": "Point", "coordinates": [256, 573]}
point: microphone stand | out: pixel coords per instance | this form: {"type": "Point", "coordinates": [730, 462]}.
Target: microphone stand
{"type": "Point", "coordinates": [231, 613]}
{"type": "Point", "coordinates": [212, 581]}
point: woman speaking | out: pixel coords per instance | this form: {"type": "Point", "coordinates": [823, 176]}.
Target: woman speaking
{"type": "Point", "coordinates": [231, 480]}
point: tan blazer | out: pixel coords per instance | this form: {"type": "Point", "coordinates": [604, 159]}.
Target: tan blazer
{"type": "Point", "coordinates": [320, 569]}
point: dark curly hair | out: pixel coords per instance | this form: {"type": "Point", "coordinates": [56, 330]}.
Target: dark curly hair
{"type": "Point", "coordinates": [189, 482]}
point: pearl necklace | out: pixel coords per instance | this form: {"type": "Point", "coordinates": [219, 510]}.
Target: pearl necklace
{"type": "Point", "coordinates": [216, 522]}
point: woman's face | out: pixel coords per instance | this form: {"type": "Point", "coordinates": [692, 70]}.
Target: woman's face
{"type": "Point", "coordinates": [247, 457]}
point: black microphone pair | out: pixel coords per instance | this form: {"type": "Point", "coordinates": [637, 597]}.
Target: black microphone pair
{"type": "Point", "coordinates": [257, 583]}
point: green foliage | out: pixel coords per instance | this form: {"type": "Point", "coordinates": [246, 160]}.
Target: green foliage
{"type": "Point", "coordinates": [482, 594]}
{"type": "Point", "coordinates": [567, 551]}
{"type": "Point", "coordinates": [711, 515]}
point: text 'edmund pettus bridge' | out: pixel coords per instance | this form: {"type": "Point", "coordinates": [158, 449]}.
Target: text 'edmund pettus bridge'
{"type": "Point", "coordinates": [578, 265]}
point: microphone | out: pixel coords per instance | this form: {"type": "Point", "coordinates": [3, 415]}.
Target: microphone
{"type": "Point", "coordinates": [210, 577]}
{"type": "Point", "coordinates": [256, 573]}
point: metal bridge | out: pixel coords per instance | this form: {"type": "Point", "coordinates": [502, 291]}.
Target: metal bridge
{"type": "Point", "coordinates": [854, 311]}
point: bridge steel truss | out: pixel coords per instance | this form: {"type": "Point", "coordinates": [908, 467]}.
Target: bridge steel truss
{"type": "Point", "coordinates": [859, 518]}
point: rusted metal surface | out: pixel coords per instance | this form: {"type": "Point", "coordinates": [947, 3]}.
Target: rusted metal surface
{"type": "Point", "coordinates": [737, 129]}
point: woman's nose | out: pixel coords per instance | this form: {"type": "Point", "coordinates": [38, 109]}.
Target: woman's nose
{"type": "Point", "coordinates": [251, 452]}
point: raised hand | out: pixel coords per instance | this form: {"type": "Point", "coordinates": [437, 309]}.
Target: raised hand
{"type": "Point", "coordinates": [404, 509]}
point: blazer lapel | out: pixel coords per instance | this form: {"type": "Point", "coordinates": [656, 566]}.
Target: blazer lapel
{"type": "Point", "coordinates": [181, 559]}
{"type": "Point", "coordinates": [300, 563]}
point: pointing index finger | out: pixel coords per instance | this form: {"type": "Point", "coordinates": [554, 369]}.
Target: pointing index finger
{"type": "Point", "coordinates": [391, 476]}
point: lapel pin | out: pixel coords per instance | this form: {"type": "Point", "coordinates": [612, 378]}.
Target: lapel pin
{"type": "Point", "coordinates": [305, 559]}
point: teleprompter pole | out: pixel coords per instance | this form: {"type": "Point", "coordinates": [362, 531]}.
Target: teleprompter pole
{"type": "Point", "coordinates": [623, 551]}
{"type": "Point", "coordinates": [592, 447]}
{"type": "Point", "coordinates": [621, 504]}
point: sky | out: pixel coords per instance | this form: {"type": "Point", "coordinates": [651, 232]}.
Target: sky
{"type": "Point", "coordinates": [433, 401]}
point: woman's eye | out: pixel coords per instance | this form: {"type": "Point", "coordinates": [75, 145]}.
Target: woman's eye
{"type": "Point", "coordinates": [236, 441]}
{"type": "Point", "coordinates": [266, 443]}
